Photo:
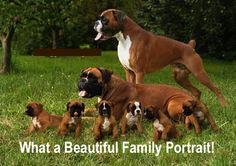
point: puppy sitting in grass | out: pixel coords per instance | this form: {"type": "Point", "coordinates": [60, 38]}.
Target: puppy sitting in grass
{"type": "Point", "coordinates": [132, 117]}
{"type": "Point", "coordinates": [105, 122]}
{"type": "Point", "coordinates": [41, 119]}
{"type": "Point", "coordinates": [199, 112]}
{"type": "Point", "coordinates": [72, 118]}
{"type": "Point", "coordinates": [163, 127]}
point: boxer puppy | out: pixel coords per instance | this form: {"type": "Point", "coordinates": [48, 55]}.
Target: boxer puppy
{"type": "Point", "coordinates": [163, 127]}
{"type": "Point", "coordinates": [132, 117]}
{"type": "Point", "coordinates": [102, 83]}
{"type": "Point", "coordinates": [105, 122]}
{"type": "Point", "coordinates": [199, 113]}
{"type": "Point", "coordinates": [138, 58]}
{"type": "Point", "coordinates": [72, 118]}
{"type": "Point", "coordinates": [41, 119]}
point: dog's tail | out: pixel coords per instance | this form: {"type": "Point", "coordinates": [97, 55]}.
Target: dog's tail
{"type": "Point", "coordinates": [192, 43]}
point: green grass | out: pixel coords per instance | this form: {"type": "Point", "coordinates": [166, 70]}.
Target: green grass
{"type": "Point", "coordinates": [53, 81]}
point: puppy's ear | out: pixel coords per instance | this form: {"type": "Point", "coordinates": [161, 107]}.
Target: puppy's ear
{"type": "Point", "coordinates": [106, 74]}
{"type": "Point", "coordinates": [68, 106]}
{"type": "Point", "coordinates": [194, 103]}
{"type": "Point", "coordinates": [129, 107]}
{"type": "Point", "coordinates": [83, 106]}
{"type": "Point", "coordinates": [119, 16]}
{"type": "Point", "coordinates": [187, 108]}
{"type": "Point", "coordinates": [40, 106]}
{"type": "Point", "coordinates": [156, 113]}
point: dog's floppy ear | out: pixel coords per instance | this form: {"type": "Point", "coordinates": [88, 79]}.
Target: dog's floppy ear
{"type": "Point", "coordinates": [106, 74]}
{"type": "Point", "coordinates": [67, 106]}
{"type": "Point", "coordinates": [128, 107]}
{"type": "Point", "coordinates": [119, 16]}
{"type": "Point", "coordinates": [40, 106]}
{"type": "Point", "coordinates": [188, 107]}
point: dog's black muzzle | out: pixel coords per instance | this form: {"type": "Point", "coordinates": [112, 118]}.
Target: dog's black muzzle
{"type": "Point", "coordinates": [91, 88]}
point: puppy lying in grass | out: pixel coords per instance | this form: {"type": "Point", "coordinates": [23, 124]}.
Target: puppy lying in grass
{"type": "Point", "coordinates": [105, 122]}
{"type": "Point", "coordinates": [41, 119]}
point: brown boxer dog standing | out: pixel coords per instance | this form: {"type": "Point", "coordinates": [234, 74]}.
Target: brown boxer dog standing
{"type": "Point", "coordinates": [141, 52]}
{"type": "Point", "coordinates": [102, 83]}
{"type": "Point", "coordinates": [41, 119]}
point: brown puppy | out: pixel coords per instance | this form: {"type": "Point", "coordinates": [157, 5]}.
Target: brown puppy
{"type": "Point", "coordinates": [198, 116]}
{"type": "Point", "coordinates": [132, 117]}
{"type": "Point", "coordinates": [163, 127]}
{"type": "Point", "coordinates": [101, 82]}
{"type": "Point", "coordinates": [105, 122]}
{"type": "Point", "coordinates": [138, 58]}
{"type": "Point", "coordinates": [41, 119]}
{"type": "Point", "coordinates": [72, 118]}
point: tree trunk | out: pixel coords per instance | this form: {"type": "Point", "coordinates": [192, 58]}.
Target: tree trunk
{"type": "Point", "coordinates": [6, 53]}
{"type": "Point", "coordinates": [55, 38]}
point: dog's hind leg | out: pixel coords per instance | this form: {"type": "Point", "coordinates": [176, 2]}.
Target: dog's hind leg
{"type": "Point", "coordinates": [181, 76]}
{"type": "Point", "coordinates": [194, 64]}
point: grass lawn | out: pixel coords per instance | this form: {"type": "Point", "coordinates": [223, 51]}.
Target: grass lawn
{"type": "Point", "coordinates": [53, 82]}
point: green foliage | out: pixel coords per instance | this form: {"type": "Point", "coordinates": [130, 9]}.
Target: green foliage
{"type": "Point", "coordinates": [209, 22]}
{"type": "Point", "coordinates": [75, 18]}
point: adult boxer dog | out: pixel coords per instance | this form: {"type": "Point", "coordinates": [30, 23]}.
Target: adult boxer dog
{"type": "Point", "coordinates": [141, 52]}
{"type": "Point", "coordinates": [102, 83]}
{"type": "Point", "coordinates": [41, 119]}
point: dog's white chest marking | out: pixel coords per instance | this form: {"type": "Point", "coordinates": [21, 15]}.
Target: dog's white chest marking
{"type": "Point", "coordinates": [158, 125]}
{"type": "Point", "coordinates": [72, 121]}
{"type": "Point", "coordinates": [36, 123]}
{"type": "Point", "coordinates": [131, 120]}
{"type": "Point", "coordinates": [106, 125]}
{"type": "Point", "coordinates": [123, 49]}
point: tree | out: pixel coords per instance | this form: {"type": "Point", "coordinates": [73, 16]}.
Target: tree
{"type": "Point", "coordinates": [52, 14]}
{"type": "Point", "coordinates": [209, 22]}
{"type": "Point", "coordinates": [9, 19]}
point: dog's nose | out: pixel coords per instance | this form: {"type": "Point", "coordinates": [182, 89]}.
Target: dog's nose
{"type": "Point", "coordinates": [96, 24]}
{"type": "Point", "coordinates": [138, 111]}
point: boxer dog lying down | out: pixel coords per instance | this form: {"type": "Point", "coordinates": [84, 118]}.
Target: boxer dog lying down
{"type": "Point", "coordinates": [41, 119]}
{"type": "Point", "coordinates": [102, 83]}
{"type": "Point", "coordinates": [142, 52]}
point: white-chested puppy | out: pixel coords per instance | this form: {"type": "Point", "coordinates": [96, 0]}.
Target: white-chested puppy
{"type": "Point", "coordinates": [105, 122]}
{"type": "Point", "coordinates": [132, 117]}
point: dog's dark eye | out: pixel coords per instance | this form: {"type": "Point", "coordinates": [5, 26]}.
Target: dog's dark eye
{"type": "Point", "coordinates": [90, 75]}
{"type": "Point", "coordinates": [83, 75]}
{"type": "Point", "coordinates": [133, 107]}
{"type": "Point", "coordinates": [104, 20]}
